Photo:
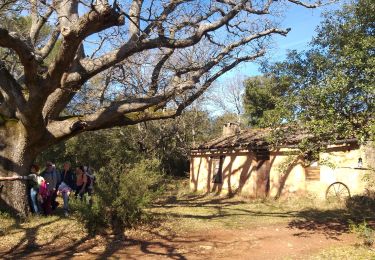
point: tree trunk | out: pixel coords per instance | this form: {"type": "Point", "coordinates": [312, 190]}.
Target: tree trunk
{"type": "Point", "coordinates": [16, 157]}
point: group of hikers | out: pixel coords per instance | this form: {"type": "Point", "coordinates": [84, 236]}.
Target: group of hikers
{"type": "Point", "coordinates": [50, 183]}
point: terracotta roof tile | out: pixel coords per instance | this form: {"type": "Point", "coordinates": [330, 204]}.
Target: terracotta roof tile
{"type": "Point", "coordinates": [252, 137]}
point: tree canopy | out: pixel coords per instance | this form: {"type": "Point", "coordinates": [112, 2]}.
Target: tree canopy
{"type": "Point", "coordinates": [328, 89]}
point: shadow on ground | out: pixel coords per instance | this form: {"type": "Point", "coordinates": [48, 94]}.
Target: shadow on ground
{"type": "Point", "coordinates": [100, 247]}
{"type": "Point", "coordinates": [160, 242]}
{"type": "Point", "coordinates": [331, 222]}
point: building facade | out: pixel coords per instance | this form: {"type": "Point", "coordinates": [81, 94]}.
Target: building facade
{"type": "Point", "coordinates": [241, 162]}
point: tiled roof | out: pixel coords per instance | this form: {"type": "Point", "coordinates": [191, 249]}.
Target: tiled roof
{"type": "Point", "coordinates": [252, 138]}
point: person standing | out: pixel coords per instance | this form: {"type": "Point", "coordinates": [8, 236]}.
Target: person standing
{"type": "Point", "coordinates": [90, 183]}
{"type": "Point", "coordinates": [81, 182]}
{"type": "Point", "coordinates": [50, 176]}
{"type": "Point", "coordinates": [54, 203]}
{"type": "Point", "coordinates": [35, 182]}
{"type": "Point", "coordinates": [90, 180]}
{"type": "Point", "coordinates": [68, 184]}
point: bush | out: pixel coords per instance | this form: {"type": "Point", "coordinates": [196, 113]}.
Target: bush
{"type": "Point", "coordinates": [361, 206]}
{"type": "Point", "coordinates": [90, 214]}
{"type": "Point", "coordinates": [121, 195]}
{"type": "Point", "coordinates": [364, 232]}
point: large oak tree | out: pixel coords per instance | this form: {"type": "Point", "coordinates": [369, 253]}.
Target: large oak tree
{"type": "Point", "coordinates": [140, 61]}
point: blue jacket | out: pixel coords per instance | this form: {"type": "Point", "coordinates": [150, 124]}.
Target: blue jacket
{"type": "Point", "coordinates": [51, 179]}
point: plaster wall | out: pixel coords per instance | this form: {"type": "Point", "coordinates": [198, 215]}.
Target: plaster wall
{"type": "Point", "coordinates": [241, 172]}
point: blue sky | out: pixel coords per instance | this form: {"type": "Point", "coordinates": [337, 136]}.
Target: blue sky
{"type": "Point", "coordinates": [303, 23]}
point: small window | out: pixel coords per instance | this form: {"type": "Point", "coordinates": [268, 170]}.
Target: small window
{"type": "Point", "coordinates": [217, 167]}
{"type": "Point", "coordinates": [312, 172]}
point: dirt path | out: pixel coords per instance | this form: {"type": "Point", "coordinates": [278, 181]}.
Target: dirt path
{"type": "Point", "coordinates": [293, 240]}
{"type": "Point", "coordinates": [267, 242]}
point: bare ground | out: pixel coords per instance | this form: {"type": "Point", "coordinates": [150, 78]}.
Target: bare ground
{"type": "Point", "coordinates": [272, 241]}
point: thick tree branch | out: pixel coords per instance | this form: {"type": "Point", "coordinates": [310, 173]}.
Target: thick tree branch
{"type": "Point", "coordinates": [56, 102]}
{"type": "Point", "coordinates": [177, 85]}
{"type": "Point", "coordinates": [94, 21]}
{"type": "Point", "coordinates": [6, 110]}
{"type": "Point", "coordinates": [14, 41]}
{"type": "Point", "coordinates": [47, 48]}
{"type": "Point", "coordinates": [138, 110]}
{"type": "Point", "coordinates": [60, 98]}
{"type": "Point", "coordinates": [11, 93]}
{"type": "Point", "coordinates": [92, 67]}
{"type": "Point", "coordinates": [102, 16]}
{"type": "Point", "coordinates": [156, 72]}
{"type": "Point", "coordinates": [37, 21]}
{"type": "Point", "coordinates": [134, 16]}
{"type": "Point", "coordinates": [117, 112]}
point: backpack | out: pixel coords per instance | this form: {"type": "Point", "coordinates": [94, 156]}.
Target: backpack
{"type": "Point", "coordinates": [43, 190]}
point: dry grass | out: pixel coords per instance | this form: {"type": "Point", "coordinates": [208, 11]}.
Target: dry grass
{"type": "Point", "coordinates": [193, 211]}
{"type": "Point", "coordinates": [38, 231]}
{"type": "Point", "coordinates": [345, 253]}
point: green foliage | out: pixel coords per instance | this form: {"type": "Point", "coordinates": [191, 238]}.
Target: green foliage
{"type": "Point", "coordinates": [261, 97]}
{"type": "Point", "coordinates": [363, 231]}
{"type": "Point", "coordinates": [329, 89]}
{"type": "Point", "coordinates": [328, 162]}
{"type": "Point", "coordinates": [287, 163]}
{"type": "Point", "coordinates": [361, 206]}
{"type": "Point", "coordinates": [51, 56]}
{"type": "Point", "coordinates": [121, 195]}
{"type": "Point", "coordinates": [369, 178]}
{"type": "Point", "coordinates": [216, 128]}
{"type": "Point", "coordinates": [97, 149]}
{"type": "Point", "coordinates": [13, 21]}
{"type": "Point", "coordinates": [170, 140]}
{"type": "Point", "coordinates": [129, 191]}
{"type": "Point", "coordinates": [92, 215]}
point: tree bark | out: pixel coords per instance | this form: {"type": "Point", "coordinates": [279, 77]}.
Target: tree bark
{"type": "Point", "coordinates": [16, 157]}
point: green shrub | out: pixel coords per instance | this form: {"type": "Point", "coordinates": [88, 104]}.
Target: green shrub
{"type": "Point", "coordinates": [121, 195]}
{"type": "Point", "coordinates": [360, 206]}
{"type": "Point", "coordinates": [91, 215]}
{"type": "Point", "coordinates": [364, 232]}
